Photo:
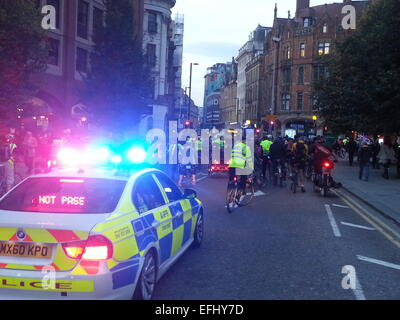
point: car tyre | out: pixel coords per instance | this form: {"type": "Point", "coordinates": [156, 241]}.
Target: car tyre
{"type": "Point", "coordinates": [199, 231]}
{"type": "Point", "coordinates": [147, 280]}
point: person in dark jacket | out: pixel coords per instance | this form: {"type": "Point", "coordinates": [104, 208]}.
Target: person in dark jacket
{"type": "Point", "coordinates": [364, 159]}
{"type": "Point", "coordinates": [397, 154]}
{"type": "Point", "coordinates": [352, 148]}
{"type": "Point", "coordinates": [376, 147]}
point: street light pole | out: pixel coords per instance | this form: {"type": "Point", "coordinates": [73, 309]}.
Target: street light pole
{"type": "Point", "coordinates": [190, 87]}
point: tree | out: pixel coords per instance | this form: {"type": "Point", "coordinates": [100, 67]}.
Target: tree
{"type": "Point", "coordinates": [362, 92]}
{"type": "Point", "coordinates": [118, 83]}
{"type": "Point", "coordinates": [22, 52]}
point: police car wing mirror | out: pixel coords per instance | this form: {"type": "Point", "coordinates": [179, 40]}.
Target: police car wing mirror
{"type": "Point", "coordinates": [189, 194]}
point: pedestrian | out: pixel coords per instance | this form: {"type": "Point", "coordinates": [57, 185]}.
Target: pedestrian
{"type": "Point", "coordinates": [397, 155]}
{"type": "Point", "coordinates": [386, 156]}
{"type": "Point", "coordinates": [376, 147]}
{"type": "Point", "coordinates": [364, 160]}
{"type": "Point", "coordinates": [30, 145]}
{"type": "Point", "coordinates": [352, 149]}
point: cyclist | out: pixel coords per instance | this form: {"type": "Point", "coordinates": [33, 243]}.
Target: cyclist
{"type": "Point", "coordinates": [300, 155]}
{"type": "Point", "coordinates": [189, 168]}
{"type": "Point", "coordinates": [278, 153]}
{"type": "Point", "coordinates": [241, 158]}
{"type": "Point", "coordinates": [266, 145]}
{"type": "Point", "coordinates": [320, 153]}
{"type": "Point", "coordinates": [7, 148]}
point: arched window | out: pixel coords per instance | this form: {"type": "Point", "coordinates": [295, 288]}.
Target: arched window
{"type": "Point", "coordinates": [325, 28]}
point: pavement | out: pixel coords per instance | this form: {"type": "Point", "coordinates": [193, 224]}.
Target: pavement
{"type": "Point", "coordinates": [381, 194]}
{"type": "Point", "coordinates": [285, 246]}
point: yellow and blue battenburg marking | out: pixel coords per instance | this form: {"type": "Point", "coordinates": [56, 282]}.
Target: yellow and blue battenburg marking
{"type": "Point", "coordinates": [177, 224]}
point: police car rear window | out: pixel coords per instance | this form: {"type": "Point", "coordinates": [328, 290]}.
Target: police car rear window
{"type": "Point", "coordinates": [65, 195]}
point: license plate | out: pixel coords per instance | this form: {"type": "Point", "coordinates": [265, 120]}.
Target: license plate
{"type": "Point", "coordinates": [25, 250]}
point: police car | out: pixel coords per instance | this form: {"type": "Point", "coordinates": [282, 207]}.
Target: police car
{"type": "Point", "coordinates": [94, 234]}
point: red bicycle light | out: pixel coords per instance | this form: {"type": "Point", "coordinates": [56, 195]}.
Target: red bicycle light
{"type": "Point", "coordinates": [96, 247]}
{"type": "Point", "coordinates": [235, 179]}
{"type": "Point", "coordinates": [327, 164]}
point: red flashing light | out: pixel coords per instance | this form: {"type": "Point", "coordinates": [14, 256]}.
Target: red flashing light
{"type": "Point", "coordinates": [272, 123]}
{"type": "Point", "coordinates": [96, 247]}
{"type": "Point", "coordinates": [328, 165]}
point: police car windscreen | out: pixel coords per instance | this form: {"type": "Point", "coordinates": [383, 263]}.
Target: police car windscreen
{"type": "Point", "coordinates": [65, 195]}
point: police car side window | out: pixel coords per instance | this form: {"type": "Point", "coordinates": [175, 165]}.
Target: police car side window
{"type": "Point", "coordinates": [146, 195]}
{"type": "Point", "coordinates": [172, 191]}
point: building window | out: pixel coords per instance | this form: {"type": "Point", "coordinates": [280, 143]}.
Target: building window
{"type": "Point", "coordinates": [56, 5]}
{"type": "Point", "coordinates": [287, 52]}
{"type": "Point", "coordinates": [151, 54]}
{"type": "Point", "coordinates": [307, 22]}
{"type": "Point", "coordinates": [320, 72]}
{"type": "Point", "coordinates": [299, 100]}
{"type": "Point", "coordinates": [285, 102]}
{"type": "Point", "coordinates": [83, 19]}
{"type": "Point", "coordinates": [286, 76]}
{"type": "Point", "coordinates": [300, 79]}
{"type": "Point", "coordinates": [325, 28]}
{"type": "Point", "coordinates": [81, 60]}
{"type": "Point", "coordinates": [54, 52]}
{"type": "Point", "coordinates": [302, 50]}
{"type": "Point", "coordinates": [98, 20]}
{"type": "Point", "coordinates": [152, 23]}
{"type": "Point", "coordinates": [324, 48]}
{"type": "Point", "coordinates": [314, 102]}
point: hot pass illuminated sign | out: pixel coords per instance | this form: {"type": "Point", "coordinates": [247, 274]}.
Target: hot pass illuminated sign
{"type": "Point", "coordinates": [61, 200]}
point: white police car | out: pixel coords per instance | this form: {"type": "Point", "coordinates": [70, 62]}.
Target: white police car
{"type": "Point", "coordinates": [78, 234]}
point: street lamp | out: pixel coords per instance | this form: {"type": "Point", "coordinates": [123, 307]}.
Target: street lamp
{"type": "Point", "coordinates": [190, 87]}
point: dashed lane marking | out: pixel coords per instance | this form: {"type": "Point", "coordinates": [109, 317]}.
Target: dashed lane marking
{"type": "Point", "coordinates": [358, 291]}
{"type": "Point", "coordinates": [357, 226]}
{"type": "Point", "coordinates": [380, 262]}
{"type": "Point", "coordinates": [339, 206]}
{"type": "Point", "coordinates": [379, 225]}
{"type": "Point", "coordinates": [332, 220]}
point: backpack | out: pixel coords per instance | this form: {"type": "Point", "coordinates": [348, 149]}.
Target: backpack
{"type": "Point", "coordinates": [300, 153]}
{"type": "Point", "coordinates": [4, 154]}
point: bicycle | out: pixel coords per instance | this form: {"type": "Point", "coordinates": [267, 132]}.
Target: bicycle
{"type": "Point", "coordinates": [295, 179]}
{"type": "Point", "coordinates": [280, 173]}
{"type": "Point", "coordinates": [237, 196]}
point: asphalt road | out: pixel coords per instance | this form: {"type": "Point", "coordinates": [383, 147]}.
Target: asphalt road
{"type": "Point", "coordinates": [286, 246]}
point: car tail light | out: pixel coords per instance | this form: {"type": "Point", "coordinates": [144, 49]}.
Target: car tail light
{"type": "Point", "coordinates": [328, 164]}
{"type": "Point", "coordinates": [212, 168]}
{"type": "Point", "coordinates": [95, 248]}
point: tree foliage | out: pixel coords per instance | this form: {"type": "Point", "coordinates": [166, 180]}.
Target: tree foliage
{"type": "Point", "coordinates": [22, 52]}
{"type": "Point", "coordinates": [362, 92]}
{"type": "Point", "coordinates": [118, 82]}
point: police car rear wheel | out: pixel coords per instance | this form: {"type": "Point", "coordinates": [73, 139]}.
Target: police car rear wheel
{"type": "Point", "coordinates": [199, 231]}
{"type": "Point", "coordinates": [147, 281]}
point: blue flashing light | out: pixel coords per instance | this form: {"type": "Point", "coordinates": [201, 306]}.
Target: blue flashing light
{"type": "Point", "coordinates": [116, 159]}
{"type": "Point", "coordinates": [137, 155]}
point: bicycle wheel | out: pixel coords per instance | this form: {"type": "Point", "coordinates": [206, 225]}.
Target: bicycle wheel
{"type": "Point", "coordinates": [247, 196]}
{"type": "Point", "coordinates": [231, 199]}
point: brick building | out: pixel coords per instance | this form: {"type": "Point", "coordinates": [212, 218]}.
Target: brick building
{"type": "Point", "coordinates": [294, 59]}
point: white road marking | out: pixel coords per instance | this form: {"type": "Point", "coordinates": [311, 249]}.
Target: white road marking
{"type": "Point", "coordinates": [201, 179]}
{"type": "Point", "coordinates": [380, 262]}
{"type": "Point", "coordinates": [340, 206]}
{"type": "Point", "coordinates": [332, 220]}
{"type": "Point", "coordinates": [357, 226]}
{"type": "Point", "coordinates": [259, 193]}
{"type": "Point", "coordinates": [358, 291]}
